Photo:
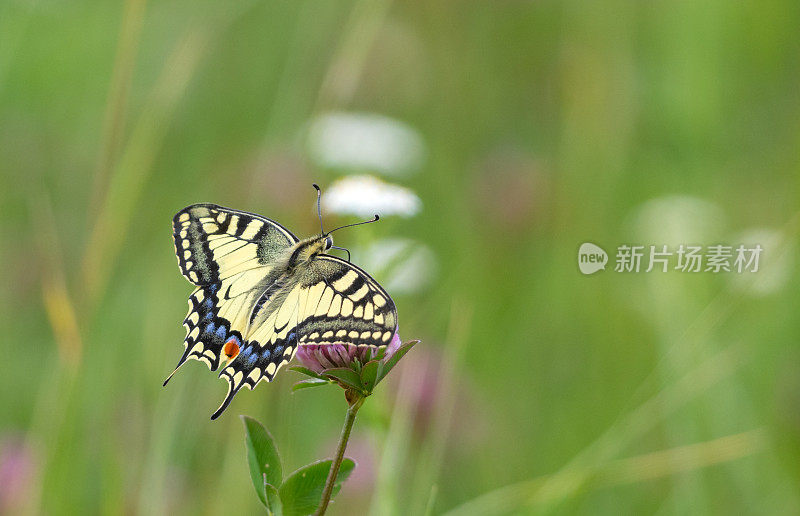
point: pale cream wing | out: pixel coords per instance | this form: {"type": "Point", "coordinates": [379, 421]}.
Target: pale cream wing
{"type": "Point", "coordinates": [230, 255]}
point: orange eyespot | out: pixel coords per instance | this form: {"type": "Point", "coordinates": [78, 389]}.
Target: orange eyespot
{"type": "Point", "coordinates": [231, 349]}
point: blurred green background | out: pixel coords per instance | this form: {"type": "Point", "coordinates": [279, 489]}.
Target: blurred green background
{"type": "Point", "coordinates": [541, 125]}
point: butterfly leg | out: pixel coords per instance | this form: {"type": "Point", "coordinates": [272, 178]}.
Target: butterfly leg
{"type": "Point", "coordinates": [342, 249]}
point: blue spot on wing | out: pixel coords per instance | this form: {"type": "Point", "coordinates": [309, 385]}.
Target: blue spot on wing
{"type": "Point", "coordinates": [222, 332]}
{"type": "Point", "coordinates": [248, 357]}
{"type": "Point", "coordinates": [210, 327]}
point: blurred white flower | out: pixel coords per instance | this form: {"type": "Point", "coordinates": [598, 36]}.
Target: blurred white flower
{"type": "Point", "coordinates": [364, 196]}
{"type": "Point", "coordinates": [401, 265]}
{"type": "Point", "coordinates": [678, 219]}
{"type": "Point", "coordinates": [775, 263]}
{"type": "Point", "coordinates": [365, 142]}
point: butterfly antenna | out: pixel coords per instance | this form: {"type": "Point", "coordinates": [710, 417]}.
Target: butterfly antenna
{"type": "Point", "coordinates": [319, 209]}
{"type": "Point", "coordinates": [356, 224]}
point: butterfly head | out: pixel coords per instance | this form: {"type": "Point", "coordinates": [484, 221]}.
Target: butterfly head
{"type": "Point", "coordinates": [306, 250]}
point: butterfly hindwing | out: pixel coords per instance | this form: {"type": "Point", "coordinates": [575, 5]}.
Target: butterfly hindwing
{"type": "Point", "coordinates": [331, 301]}
{"type": "Point", "coordinates": [344, 304]}
{"type": "Point", "coordinates": [206, 331]}
{"type": "Point", "coordinates": [260, 360]}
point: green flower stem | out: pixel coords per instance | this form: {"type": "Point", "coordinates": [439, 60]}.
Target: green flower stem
{"type": "Point", "coordinates": [337, 461]}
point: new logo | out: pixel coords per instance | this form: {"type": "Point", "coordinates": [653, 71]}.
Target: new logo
{"type": "Point", "coordinates": [591, 258]}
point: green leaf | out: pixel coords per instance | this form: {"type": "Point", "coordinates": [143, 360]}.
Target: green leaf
{"type": "Point", "coordinates": [306, 371]}
{"type": "Point", "coordinates": [346, 376]}
{"type": "Point", "coordinates": [302, 491]}
{"type": "Point", "coordinates": [262, 456]}
{"type": "Point", "coordinates": [400, 353]}
{"type": "Point", "coordinates": [311, 382]}
{"type": "Point", "coordinates": [380, 354]}
{"type": "Point", "coordinates": [274, 505]}
{"type": "Point", "coordinates": [369, 374]}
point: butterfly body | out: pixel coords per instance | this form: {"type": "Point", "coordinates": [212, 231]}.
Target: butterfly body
{"type": "Point", "coordinates": [261, 292]}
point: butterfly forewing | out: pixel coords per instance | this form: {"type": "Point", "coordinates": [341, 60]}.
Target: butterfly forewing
{"type": "Point", "coordinates": [213, 242]}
